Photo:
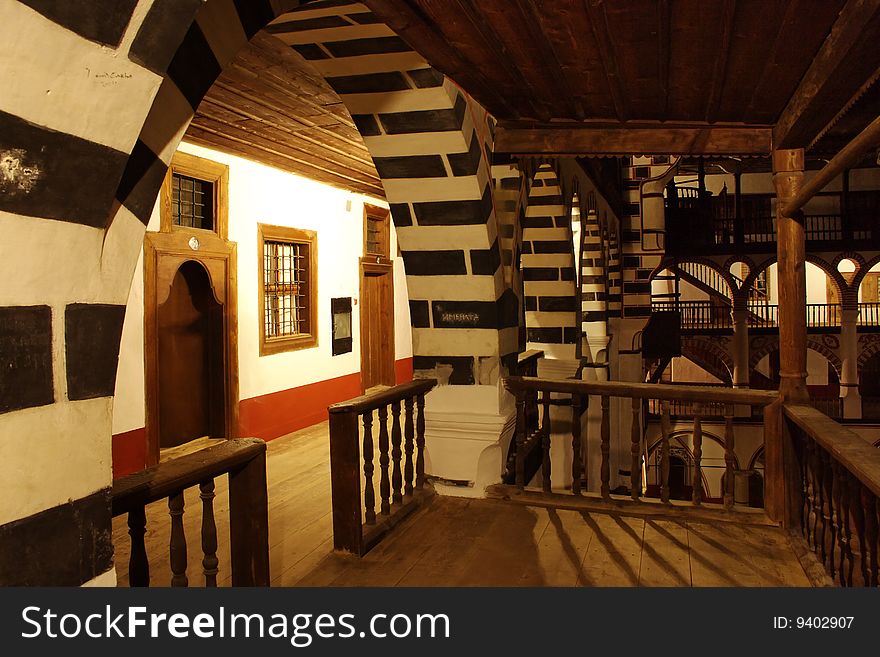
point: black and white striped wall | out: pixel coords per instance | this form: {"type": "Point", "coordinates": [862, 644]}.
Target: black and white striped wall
{"type": "Point", "coordinates": [96, 98]}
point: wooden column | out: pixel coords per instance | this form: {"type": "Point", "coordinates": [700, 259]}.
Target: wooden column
{"type": "Point", "coordinates": [791, 282]}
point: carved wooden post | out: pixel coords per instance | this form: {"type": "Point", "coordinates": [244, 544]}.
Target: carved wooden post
{"type": "Point", "coordinates": [384, 460]}
{"type": "Point", "coordinates": [605, 447]}
{"type": "Point", "coordinates": [345, 479]}
{"type": "Point", "coordinates": [420, 442]}
{"type": "Point", "coordinates": [697, 488]}
{"type": "Point", "coordinates": [829, 525]}
{"type": "Point", "coordinates": [520, 438]}
{"type": "Point", "coordinates": [396, 454]}
{"type": "Point", "coordinates": [369, 491]}
{"type": "Point", "coordinates": [869, 504]}
{"type": "Point", "coordinates": [249, 522]}
{"type": "Point", "coordinates": [408, 433]}
{"type": "Point", "coordinates": [729, 457]}
{"type": "Point", "coordinates": [210, 562]}
{"type": "Point", "coordinates": [138, 563]}
{"type": "Point", "coordinates": [665, 432]}
{"type": "Point", "coordinates": [178, 541]}
{"type": "Point", "coordinates": [636, 441]}
{"type": "Point", "coordinates": [577, 465]}
{"type": "Point", "coordinates": [545, 444]}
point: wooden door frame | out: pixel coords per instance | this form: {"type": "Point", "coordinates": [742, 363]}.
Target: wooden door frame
{"type": "Point", "coordinates": [164, 253]}
{"type": "Point", "coordinates": [377, 266]}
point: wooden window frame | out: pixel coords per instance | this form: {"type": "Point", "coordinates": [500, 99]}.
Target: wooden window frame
{"type": "Point", "coordinates": [383, 215]}
{"type": "Point", "coordinates": [209, 171]}
{"type": "Point", "coordinates": [270, 346]}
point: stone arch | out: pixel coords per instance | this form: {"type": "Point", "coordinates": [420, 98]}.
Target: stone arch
{"type": "Point", "coordinates": [548, 268]}
{"type": "Point", "coordinates": [92, 156]}
{"type": "Point", "coordinates": [869, 346]}
{"type": "Point", "coordinates": [683, 438]}
{"type": "Point", "coordinates": [816, 343]}
{"type": "Point", "coordinates": [829, 269]}
{"type": "Point", "coordinates": [714, 266]}
{"type": "Point", "coordinates": [709, 355]}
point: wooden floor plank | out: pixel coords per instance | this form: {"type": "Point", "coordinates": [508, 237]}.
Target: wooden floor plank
{"type": "Point", "coordinates": [665, 554]}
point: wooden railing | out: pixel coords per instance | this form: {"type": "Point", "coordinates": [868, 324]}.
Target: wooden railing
{"type": "Point", "coordinates": [698, 314]}
{"type": "Point", "coordinates": [578, 393]}
{"type": "Point", "coordinates": [244, 460]}
{"type": "Point", "coordinates": [833, 485]}
{"type": "Point", "coordinates": [356, 525]}
{"type": "Point", "coordinates": [869, 314]}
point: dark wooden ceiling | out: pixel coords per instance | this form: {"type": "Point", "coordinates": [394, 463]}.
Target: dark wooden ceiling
{"type": "Point", "coordinates": [271, 106]}
{"type": "Point", "coordinates": [653, 63]}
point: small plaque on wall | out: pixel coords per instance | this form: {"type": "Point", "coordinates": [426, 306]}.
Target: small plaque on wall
{"type": "Point", "coordinates": [341, 321]}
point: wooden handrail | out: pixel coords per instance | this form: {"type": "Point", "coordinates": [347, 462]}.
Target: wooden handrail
{"type": "Point", "coordinates": [244, 460]}
{"type": "Point", "coordinates": [644, 390]}
{"type": "Point", "coordinates": [849, 449]}
{"type": "Point", "coordinates": [372, 401]}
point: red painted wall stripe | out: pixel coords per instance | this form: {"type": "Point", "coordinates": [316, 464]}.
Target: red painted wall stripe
{"type": "Point", "coordinates": [267, 416]}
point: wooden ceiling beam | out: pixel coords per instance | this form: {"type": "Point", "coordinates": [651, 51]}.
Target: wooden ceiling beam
{"type": "Point", "coordinates": [492, 41]}
{"type": "Point", "coordinates": [532, 16]}
{"type": "Point", "coordinates": [599, 26]}
{"type": "Point", "coordinates": [808, 113]}
{"type": "Point", "coordinates": [719, 71]}
{"type": "Point", "coordinates": [646, 140]}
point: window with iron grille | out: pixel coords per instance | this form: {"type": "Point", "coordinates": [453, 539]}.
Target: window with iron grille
{"type": "Point", "coordinates": [288, 287]}
{"type": "Point", "coordinates": [192, 202]}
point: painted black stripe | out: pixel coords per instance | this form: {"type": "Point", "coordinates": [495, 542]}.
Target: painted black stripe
{"type": "Point", "coordinates": [570, 335]}
{"type": "Point", "coordinates": [194, 67]}
{"type": "Point", "coordinates": [103, 21]}
{"type": "Point", "coordinates": [631, 236]}
{"type": "Point", "coordinates": [527, 247]}
{"type": "Point", "coordinates": [637, 311]}
{"type": "Point", "coordinates": [538, 222]}
{"type": "Point", "coordinates": [310, 51]}
{"type": "Point", "coordinates": [400, 214]}
{"type": "Point", "coordinates": [366, 125]}
{"type": "Point", "coordinates": [426, 78]}
{"type": "Point", "coordinates": [92, 333]}
{"type": "Point", "coordinates": [419, 314]}
{"type": "Point", "coordinates": [593, 280]}
{"type": "Point", "coordinates": [25, 357]}
{"type": "Point", "coordinates": [553, 199]}
{"type": "Point", "coordinates": [593, 316]}
{"type": "Point", "coordinates": [637, 288]}
{"type": "Point", "coordinates": [506, 230]}
{"type": "Point", "coordinates": [319, 23]}
{"type": "Point", "coordinates": [557, 304]}
{"type": "Point", "coordinates": [436, 120]}
{"type": "Point", "coordinates": [55, 175]}
{"type": "Point", "coordinates": [410, 166]}
{"type": "Point", "coordinates": [466, 164]}
{"type": "Point", "coordinates": [566, 273]}
{"type": "Point", "coordinates": [540, 273]}
{"type": "Point", "coordinates": [485, 261]}
{"type": "Point", "coordinates": [531, 303]}
{"type": "Point", "coordinates": [67, 545]}
{"type": "Point", "coordinates": [434, 263]}
{"type": "Point", "coordinates": [465, 314]}
{"type": "Point", "coordinates": [462, 367]}
{"type": "Point", "coordinates": [562, 222]}
{"type": "Point", "coordinates": [454, 213]}
{"type": "Point", "coordinates": [365, 18]}
{"type": "Point", "coordinates": [160, 34]}
{"type": "Point", "coordinates": [369, 83]}
{"type": "Point", "coordinates": [545, 335]}
{"type": "Point", "coordinates": [368, 46]}
{"type": "Point", "coordinates": [141, 181]}
{"type": "Point", "coordinates": [554, 246]}
{"type": "Point", "coordinates": [254, 15]}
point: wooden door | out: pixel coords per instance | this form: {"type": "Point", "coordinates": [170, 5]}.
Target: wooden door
{"type": "Point", "coordinates": [377, 325]}
{"type": "Point", "coordinates": [190, 339]}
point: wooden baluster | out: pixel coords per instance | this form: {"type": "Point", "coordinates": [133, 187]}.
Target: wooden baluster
{"type": "Point", "coordinates": [177, 545]}
{"type": "Point", "coordinates": [577, 464]}
{"type": "Point", "coordinates": [545, 443]}
{"type": "Point", "coordinates": [408, 434]}
{"type": "Point", "coordinates": [857, 541]}
{"type": "Point", "coordinates": [697, 494]}
{"type": "Point", "coordinates": [729, 457]}
{"type": "Point", "coordinates": [839, 522]}
{"type": "Point", "coordinates": [396, 454]}
{"type": "Point", "coordinates": [369, 491]}
{"type": "Point", "coordinates": [635, 475]}
{"type": "Point", "coordinates": [804, 458]}
{"type": "Point", "coordinates": [845, 567]}
{"type": "Point", "coordinates": [210, 562]}
{"type": "Point", "coordinates": [818, 518]}
{"type": "Point", "coordinates": [665, 432]}
{"type": "Point", "coordinates": [869, 504]}
{"type": "Point", "coordinates": [520, 439]}
{"type": "Point", "coordinates": [605, 447]}
{"type": "Point", "coordinates": [138, 563]}
{"type": "Point", "coordinates": [420, 442]}
{"type": "Point", "coordinates": [830, 532]}
{"type": "Point", "coordinates": [384, 461]}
